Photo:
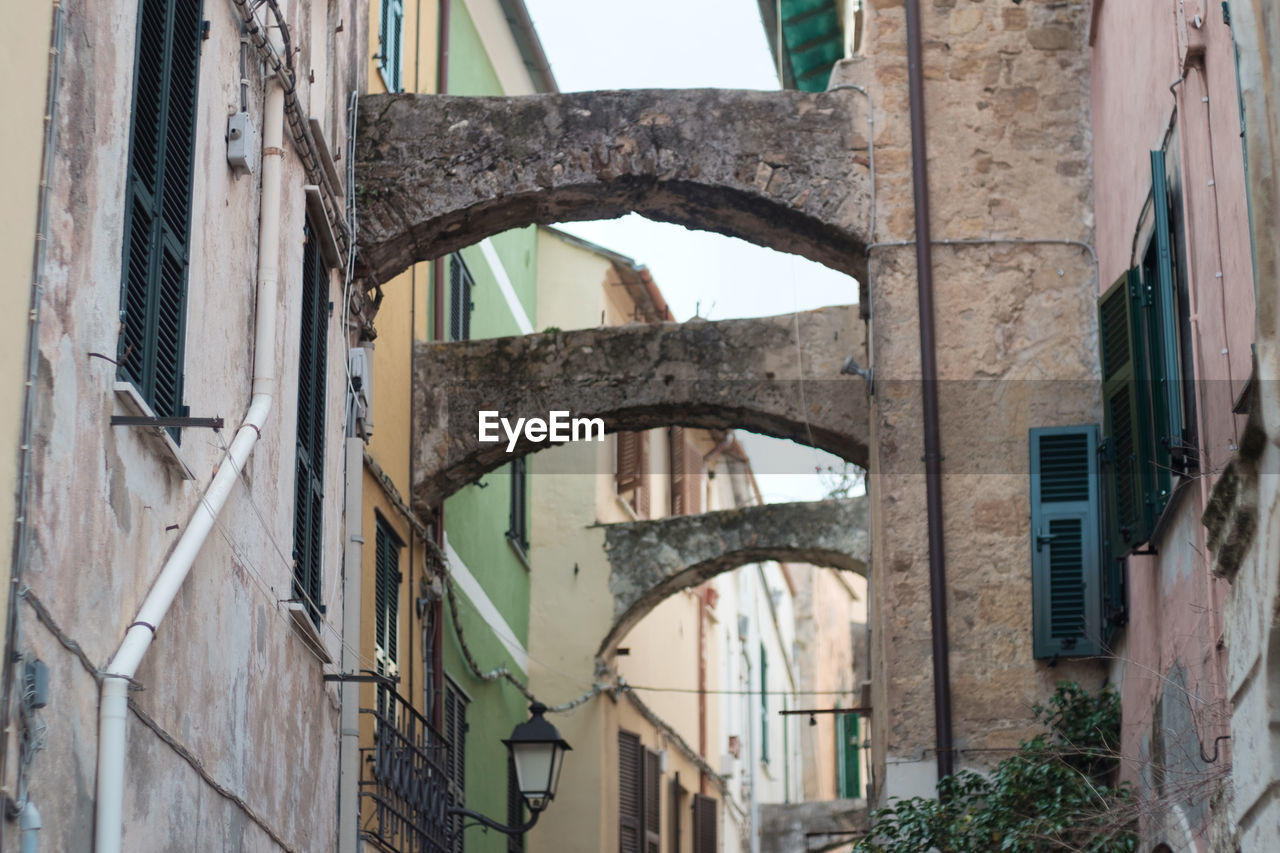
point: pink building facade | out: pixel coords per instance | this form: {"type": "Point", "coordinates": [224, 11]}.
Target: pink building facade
{"type": "Point", "coordinates": [1173, 244]}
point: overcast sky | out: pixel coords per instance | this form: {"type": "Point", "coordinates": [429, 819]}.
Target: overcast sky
{"type": "Point", "coordinates": [683, 44]}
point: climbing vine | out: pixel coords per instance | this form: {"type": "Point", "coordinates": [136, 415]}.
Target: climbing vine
{"type": "Point", "coordinates": [1054, 794]}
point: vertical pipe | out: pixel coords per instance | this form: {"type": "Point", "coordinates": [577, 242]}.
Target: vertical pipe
{"type": "Point", "coordinates": [349, 749]}
{"type": "Point", "coordinates": [929, 391]}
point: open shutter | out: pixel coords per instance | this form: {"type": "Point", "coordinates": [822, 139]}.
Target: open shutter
{"type": "Point", "coordinates": [627, 475]}
{"type": "Point", "coordinates": [630, 792]}
{"type": "Point", "coordinates": [158, 203]}
{"type": "Point", "coordinates": [1170, 430]}
{"type": "Point", "coordinates": [704, 824]}
{"type": "Point", "coordinates": [652, 800]}
{"type": "Point", "coordinates": [1066, 583]}
{"type": "Point", "coordinates": [455, 731]}
{"type": "Point", "coordinates": [1125, 412]}
{"type": "Point", "coordinates": [518, 517]}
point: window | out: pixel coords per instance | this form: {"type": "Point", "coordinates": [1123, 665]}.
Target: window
{"type": "Point", "coordinates": [386, 620]}
{"type": "Point", "coordinates": [686, 471]}
{"type": "Point", "coordinates": [848, 752]}
{"type": "Point", "coordinates": [390, 44]}
{"type": "Point", "coordinates": [1149, 404]}
{"type": "Point", "coordinates": [677, 803]}
{"type": "Point", "coordinates": [460, 305]}
{"type": "Point", "coordinates": [308, 489]}
{"type": "Point", "coordinates": [630, 792]}
{"type": "Point", "coordinates": [631, 472]}
{"type": "Point", "coordinates": [455, 732]}
{"type": "Point", "coordinates": [153, 289]}
{"type": "Point", "coordinates": [652, 802]}
{"type": "Point", "coordinates": [704, 825]}
{"type": "Point", "coordinates": [764, 705]}
{"type": "Point", "coordinates": [1068, 585]}
{"type": "Point", "coordinates": [518, 529]}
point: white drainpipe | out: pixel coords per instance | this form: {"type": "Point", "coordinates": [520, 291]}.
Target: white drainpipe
{"type": "Point", "coordinates": [114, 707]}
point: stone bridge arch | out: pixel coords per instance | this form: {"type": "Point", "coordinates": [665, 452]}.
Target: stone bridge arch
{"type": "Point", "coordinates": [774, 375]}
{"type": "Point", "coordinates": [651, 560]}
{"type": "Point", "coordinates": [437, 173]}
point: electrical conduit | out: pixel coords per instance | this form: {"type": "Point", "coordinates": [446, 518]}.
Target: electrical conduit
{"type": "Point", "coordinates": [119, 673]}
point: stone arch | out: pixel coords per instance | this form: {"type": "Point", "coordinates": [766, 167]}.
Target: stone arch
{"type": "Point", "coordinates": [437, 173]}
{"type": "Point", "coordinates": [775, 375]}
{"type": "Point", "coordinates": [651, 560]}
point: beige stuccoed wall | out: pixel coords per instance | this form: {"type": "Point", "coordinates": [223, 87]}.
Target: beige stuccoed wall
{"type": "Point", "coordinates": [24, 61]}
{"type": "Point", "coordinates": [1006, 91]}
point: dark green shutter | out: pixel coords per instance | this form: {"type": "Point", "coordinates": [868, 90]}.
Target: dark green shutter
{"type": "Point", "coordinates": [1167, 353]}
{"type": "Point", "coordinates": [1126, 416]}
{"type": "Point", "coordinates": [156, 239]}
{"type": "Point", "coordinates": [308, 510]}
{"type": "Point", "coordinates": [848, 756]}
{"type": "Point", "coordinates": [460, 305]}
{"type": "Point", "coordinates": [518, 527]}
{"type": "Point", "coordinates": [1066, 550]}
{"type": "Point", "coordinates": [764, 704]}
{"type": "Point", "coordinates": [387, 587]}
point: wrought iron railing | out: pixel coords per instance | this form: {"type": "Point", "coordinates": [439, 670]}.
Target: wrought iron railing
{"type": "Point", "coordinates": [404, 786]}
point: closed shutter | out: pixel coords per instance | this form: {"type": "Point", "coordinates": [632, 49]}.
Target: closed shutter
{"type": "Point", "coordinates": [455, 732]}
{"type": "Point", "coordinates": [641, 501]}
{"type": "Point", "coordinates": [391, 38]}
{"type": "Point", "coordinates": [848, 753]}
{"type": "Point", "coordinates": [652, 801]}
{"type": "Point", "coordinates": [518, 521]}
{"type": "Point", "coordinates": [677, 796]}
{"type": "Point", "coordinates": [515, 808]}
{"type": "Point", "coordinates": [460, 305]}
{"type": "Point", "coordinates": [627, 475]}
{"type": "Point", "coordinates": [159, 179]}
{"type": "Point", "coordinates": [630, 792]}
{"type": "Point", "coordinates": [1066, 582]}
{"type": "Point", "coordinates": [308, 513]}
{"type": "Point", "coordinates": [704, 825]}
{"type": "Point", "coordinates": [679, 474]}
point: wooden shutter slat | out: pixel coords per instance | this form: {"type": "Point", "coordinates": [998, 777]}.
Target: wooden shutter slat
{"type": "Point", "coordinates": [630, 792]}
{"type": "Point", "coordinates": [651, 802]}
{"type": "Point", "coordinates": [309, 474]}
{"type": "Point", "coordinates": [704, 824]}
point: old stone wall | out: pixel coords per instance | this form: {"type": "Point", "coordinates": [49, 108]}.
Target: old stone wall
{"type": "Point", "coordinates": [775, 375]}
{"type": "Point", "coordinates": [1007, 110]}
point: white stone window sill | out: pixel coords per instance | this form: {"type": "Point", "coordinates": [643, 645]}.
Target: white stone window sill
{"type": "Point", "coordinates": [307, 630]}
{"type": "Point", "coordinates": [128, 399]}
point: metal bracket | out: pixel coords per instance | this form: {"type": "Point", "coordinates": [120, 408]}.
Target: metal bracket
{"type": "Point", "coordinates": [181, 423]}
{"type": "Point", "coordinates": [365, 676]}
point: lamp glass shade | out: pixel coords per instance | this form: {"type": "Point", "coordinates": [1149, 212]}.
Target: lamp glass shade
{"type": "Point", "coordinates": [537, 751]}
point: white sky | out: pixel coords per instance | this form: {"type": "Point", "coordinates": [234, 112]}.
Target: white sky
{"type": "Point", "coordinates": [683, 44]}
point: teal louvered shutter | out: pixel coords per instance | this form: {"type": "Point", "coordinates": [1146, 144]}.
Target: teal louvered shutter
{"type": "Point", "coordinates": [1127, 456]}
{"type": "Point", "coordinates": [460, 304]}
{"type": "Point", "coordinates": [391, 39]}
{"type": "Point", "coordinates": [158, 188]}
{"type": "Point", "coordinates": [387, 578]}
{"type": "Point", "coordinates": [1066, 549]}
{"type": "Point", "coordinates": [308, 510]}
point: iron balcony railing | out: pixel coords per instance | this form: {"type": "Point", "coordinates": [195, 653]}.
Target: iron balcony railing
{"type": "Point", "coordinates": [404, 785]}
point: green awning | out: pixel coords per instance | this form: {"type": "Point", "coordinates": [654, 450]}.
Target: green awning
{"type": "Point", "coordinates": [812, 37]}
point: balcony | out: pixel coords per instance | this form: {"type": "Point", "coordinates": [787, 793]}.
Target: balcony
{"type": "Point", "coordinates": [404, 784]}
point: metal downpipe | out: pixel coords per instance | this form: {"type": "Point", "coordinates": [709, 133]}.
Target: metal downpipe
{"type": "Point", "coordinates": [929, 392]}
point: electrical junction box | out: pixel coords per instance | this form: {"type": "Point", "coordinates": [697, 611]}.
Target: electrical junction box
{"type": "Point", "coordinates": [242, 138]}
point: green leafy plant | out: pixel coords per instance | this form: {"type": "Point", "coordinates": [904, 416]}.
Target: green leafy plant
{"type": "Point", "coordinates": [1053, 794]}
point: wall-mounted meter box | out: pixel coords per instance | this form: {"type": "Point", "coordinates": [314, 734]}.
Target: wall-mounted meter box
{"type": "Point", "coordinates": [242, 138]}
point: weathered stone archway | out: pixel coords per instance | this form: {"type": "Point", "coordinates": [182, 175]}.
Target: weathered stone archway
{"type": "Point", "coordinates": [652, 560]}
{"type": "Point", "coordinates": [779, 169]}
{"type": "Point", "coordinates": [775, 375]}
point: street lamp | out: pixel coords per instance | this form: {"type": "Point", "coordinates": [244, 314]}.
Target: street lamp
{"type": "Point", "coordinates": [537, 752]}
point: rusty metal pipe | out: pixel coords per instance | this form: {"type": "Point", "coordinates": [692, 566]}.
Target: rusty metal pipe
{"type": "Point", "coordinates": [929, 390]}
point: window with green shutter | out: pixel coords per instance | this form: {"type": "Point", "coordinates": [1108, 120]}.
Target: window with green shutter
{"type": "Point", "coordinates": [455, 732]}
{"type": "Point", "coordinates": [764, 705]}
{"type": "Point", "coordinates": [1066, 547]}
{"type": "Point", "coordinates": [308, 490]}
{"type": "Point", "coordinates": [848, 753]}
{"type": "Point", "coordinates": [518, 526]}
{"type": "Point", "coordinates": [158, 185]}
{"type": "Point", "coordinates": [460, 305]}
{"type": "Point", "coordinates": [391, 45]}
{"type": "Point", "coordinates": [386, 605]}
